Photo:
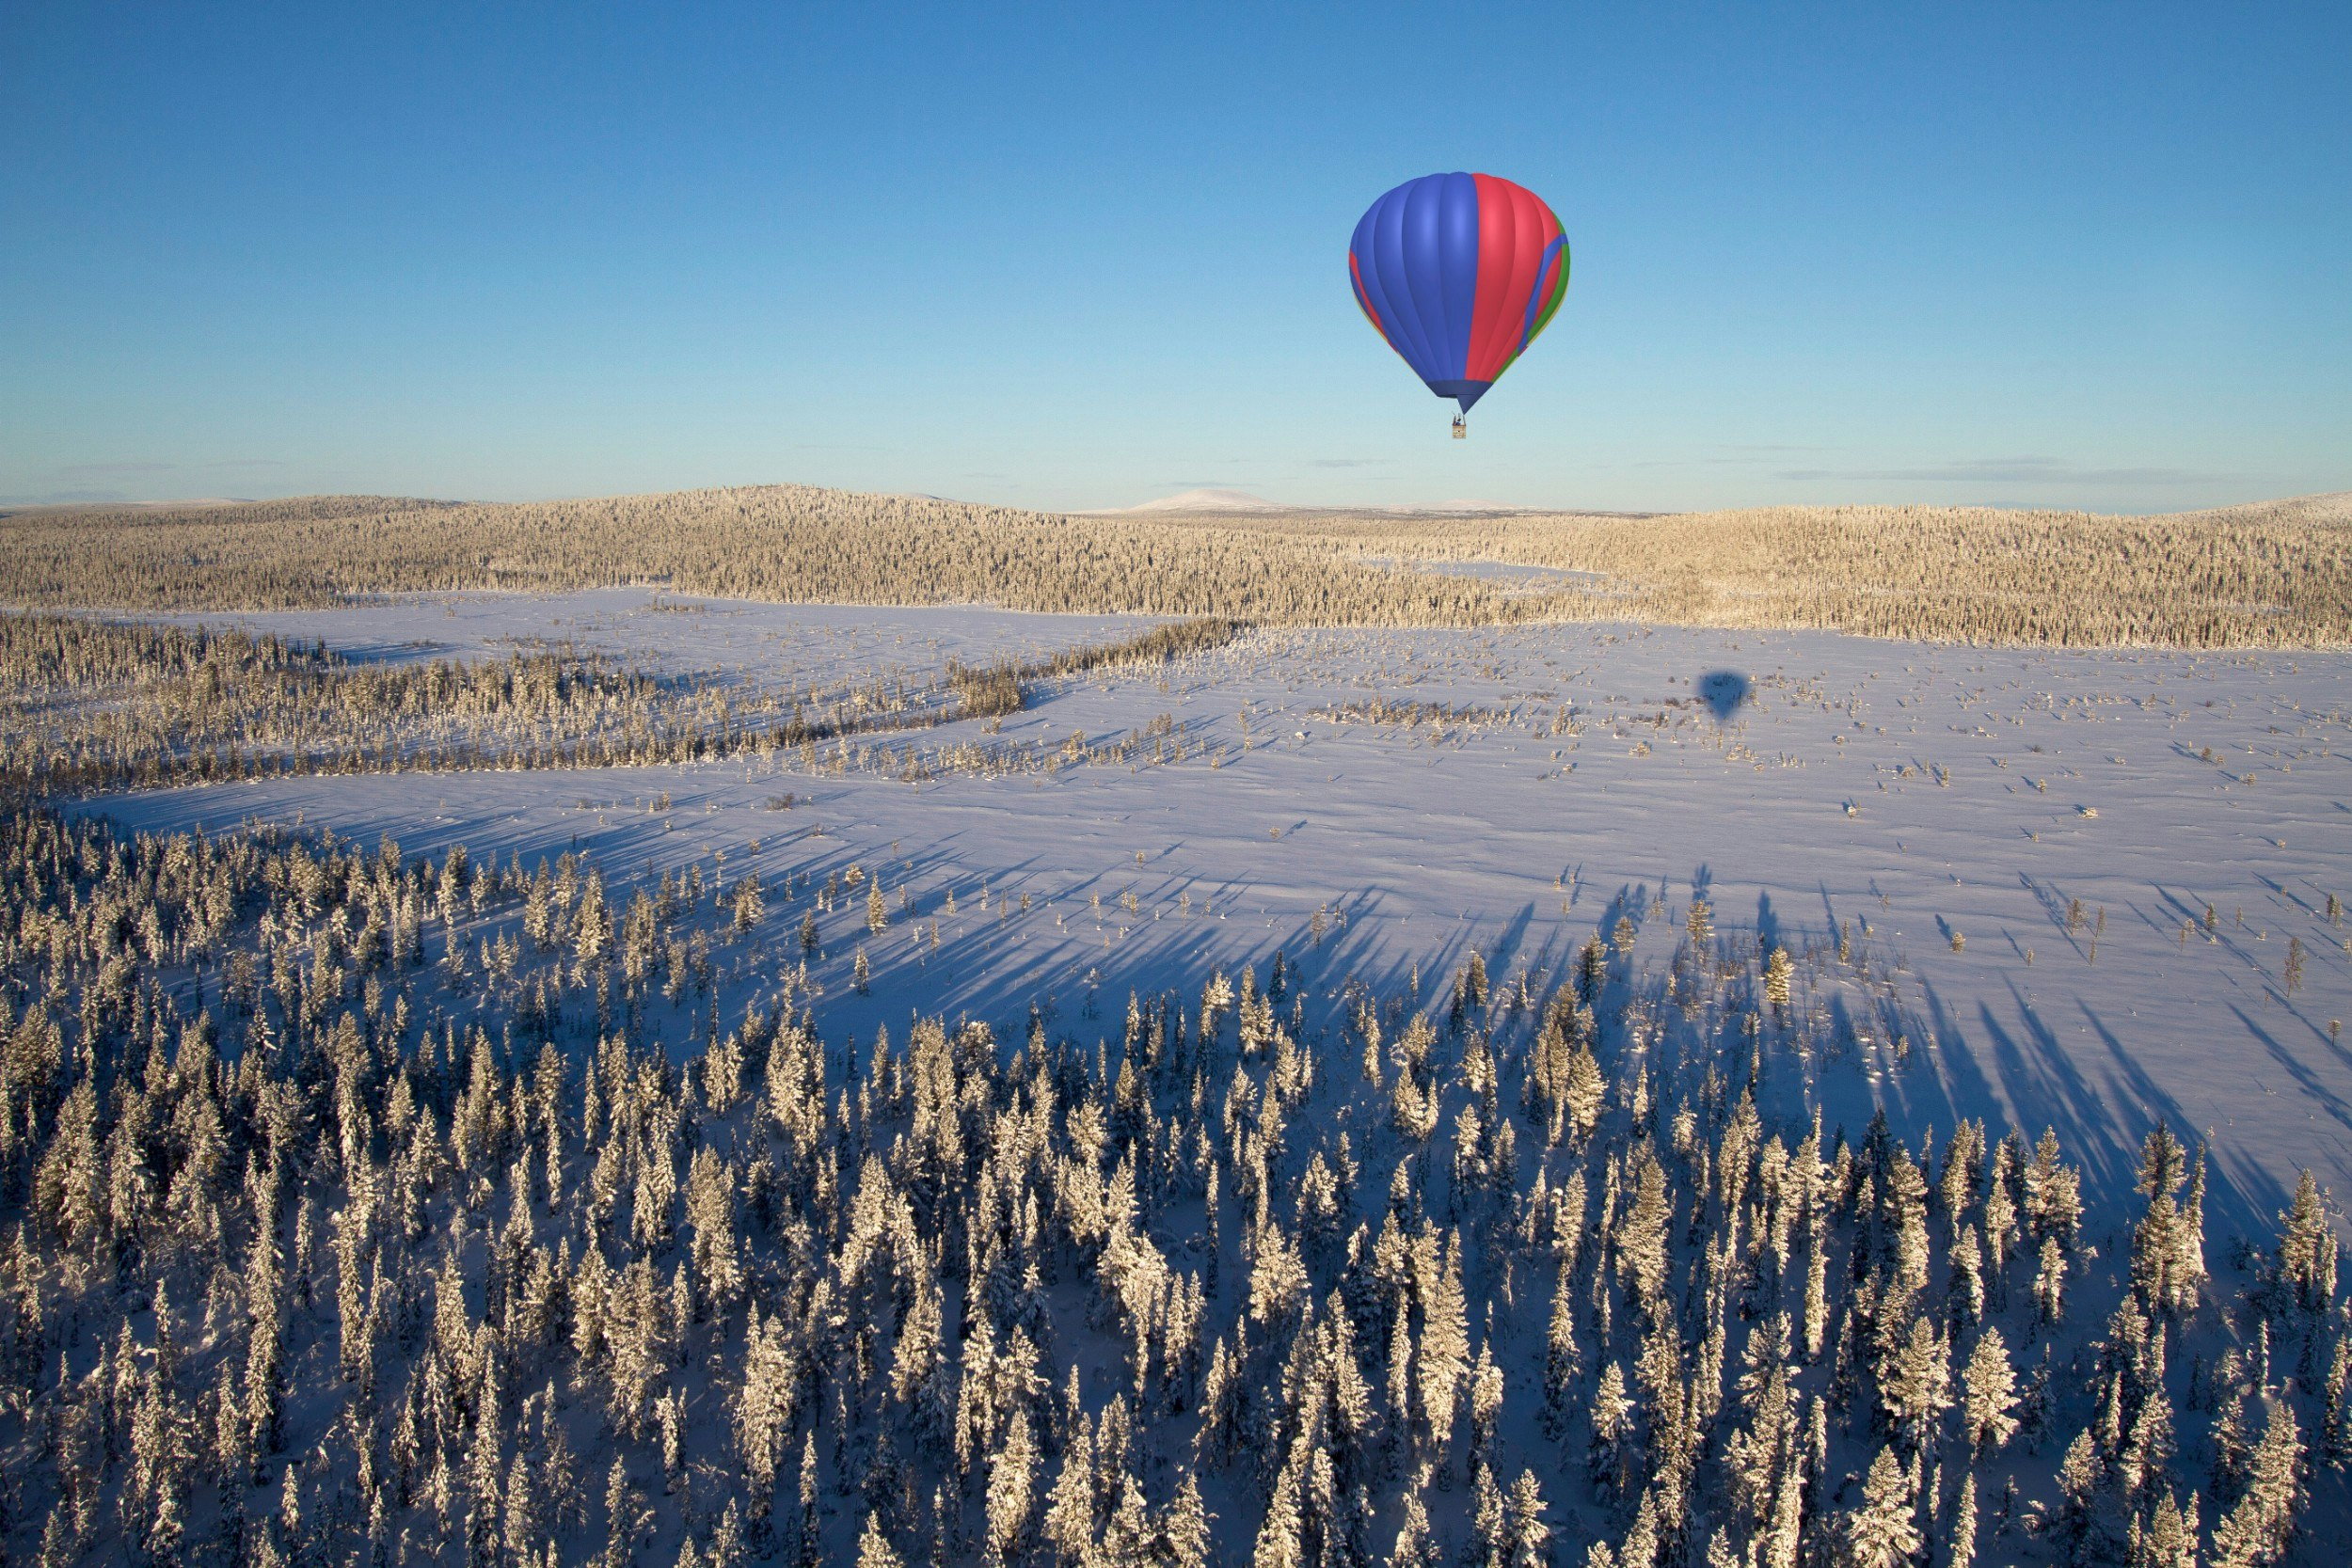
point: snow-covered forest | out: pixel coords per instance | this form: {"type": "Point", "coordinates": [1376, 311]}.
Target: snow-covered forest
{"type": "Point", "coordinates": [367, 1208]}
{"type": "Point", "coordinates": [942, 1086]}
{"type": "Point", "coordinates": [2272, 574]}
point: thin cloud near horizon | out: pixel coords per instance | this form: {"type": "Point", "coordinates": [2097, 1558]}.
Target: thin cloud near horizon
{"type": "Point", "coordinates": [2019, 470]}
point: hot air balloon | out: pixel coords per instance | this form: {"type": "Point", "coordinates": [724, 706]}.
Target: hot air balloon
{"type": "Point", "coordinates": [1459, 273]}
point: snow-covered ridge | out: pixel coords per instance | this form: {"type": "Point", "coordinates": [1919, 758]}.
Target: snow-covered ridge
{"type": "Point", "coordinates": [1242, 501]}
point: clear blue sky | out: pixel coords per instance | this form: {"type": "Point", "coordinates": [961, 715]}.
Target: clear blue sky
{"type": "Point", "coordinates": [2087, 255]}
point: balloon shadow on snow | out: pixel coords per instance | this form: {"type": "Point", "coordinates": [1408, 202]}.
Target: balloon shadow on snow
{"type": "Point", "coordinates": [1724, 692]}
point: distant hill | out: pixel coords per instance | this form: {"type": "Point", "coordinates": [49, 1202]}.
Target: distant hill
{"type": "Point", "coordinates": [1212, 500]}
{"type": "Point", "coordinates": [1236, 502]}
{"type": "Point", "coordinates": [2269, 573]}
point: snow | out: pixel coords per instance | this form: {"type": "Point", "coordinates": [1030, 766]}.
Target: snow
{"type": "Point", "coordinates": [1212, 500]}
{"type": "Point", "coordinates": [1914, 791]}
{"type": "Point", "coordinates": [676, 634]}
{"type": "Point", "coordinates": [1242, 500]}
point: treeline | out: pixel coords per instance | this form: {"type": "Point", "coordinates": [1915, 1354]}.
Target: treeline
{"type": "Point", "coordinates": [2272, 575]}
{"type": "Point", "coordinates": [777, 543]}
{"type": "Point", "coordinates": [72, 657]}
{"type": "Point", "coordinates": [88, 706]}
{"type": "Point", "coordinates": [996, 687]}
{"type": "Point", "coordinates": [1394, 713]}
{"type": "Point", "coordinates": [355, 1207]}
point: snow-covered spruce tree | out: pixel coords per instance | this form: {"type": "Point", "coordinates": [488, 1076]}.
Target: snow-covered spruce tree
{"type": "Point", "coordinates": [2261, 1527]}
{"type": "Point", "coordinates": [2303, 1269]}
{"type": "Point", "coordinates": [1881, 1532]}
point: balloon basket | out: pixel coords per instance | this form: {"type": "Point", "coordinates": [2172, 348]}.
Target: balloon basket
{"type": "Point", "coordinates": [1461, 428]}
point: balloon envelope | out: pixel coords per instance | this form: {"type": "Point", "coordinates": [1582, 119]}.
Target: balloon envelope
{"type": "Point", "coordinates": [1459, 273]}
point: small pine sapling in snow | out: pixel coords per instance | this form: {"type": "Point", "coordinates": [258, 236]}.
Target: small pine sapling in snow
{"type": "Point", "coordinates": [1778, 971]}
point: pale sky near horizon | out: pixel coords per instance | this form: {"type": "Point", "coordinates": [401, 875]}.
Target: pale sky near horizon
{"type": "Point", "coordinates": [2092, 256]}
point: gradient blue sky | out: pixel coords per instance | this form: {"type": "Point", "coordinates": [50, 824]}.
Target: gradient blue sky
{"type": "Point", "coordinates": [2095, 255]}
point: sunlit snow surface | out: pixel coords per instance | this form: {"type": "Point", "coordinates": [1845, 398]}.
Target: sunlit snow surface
{"type": "Point", "coordinates": [774, 646]}
{"type": "Point", "coordinates": [1816, 802]}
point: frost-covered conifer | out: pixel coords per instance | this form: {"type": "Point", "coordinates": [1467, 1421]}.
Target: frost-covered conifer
{"type": "Point", "coordinates": [1442, 1360]}
{"type": "Point", "coordinates": [1414, 1546]}
{"type": "Point", "coordinates": [2049, 1282]}
{"type": "Point", "coordinates": [1640, 1547]}
{"type": "Point", "coordinates": [2161, 1248]}
{"type": "Point", "coordinates": [1070, 1509]}
{"type": "Point", "coordinates": [2274, 1490]}
{"type": "Point", "coordinates": [1964, 1298]}
{"type": "Point", "coordinates": [873, 1547]}
{"type": "Point", "coordinates": [1281, 1542]}
{"type": "Point", "coordinates": [710, 1210]}
{"type": "Point", "coordinates": [2052, 1194]}
{"type": "Point", "coordinates": [539, 910]}
{"type": "Point", "coordinates": [264, 1367]}
{"type": "Point", "coordinates": [2148, 1446]}
{"type": "Point", "coordinates": [1184, 1540]}
{"type": "Point", "coordinates": [1881, 1533]}
{"type": "Point", "coordinates": [764, 1405]}
{"type": "Point", "coordinates": [1778, 973]}
{"type": "Point", "coordinates": [2169, 1540]}
{"type": "Point", "coordinates": [1530, 1543]}
{"type": "Point", "coordinates": [1641, 1234]}
{"type": "Point", "coordinates": [1614, 1413]}
{"type": "Point", "coordinates": [2304, 1265]}
{"type": "Point", "coordinates": [1562, 1363]}
{"type": "Point", "coordinates": [1914, 1386]}
{"type": "Point", "coordinates": [1011, 1488]}
{"type": "Point", "coordinates": [626, 1517]}
{"type": "Point", "coordinates": [1988, 1394]}
{"type": "Point", "coordinates": [592, 925]}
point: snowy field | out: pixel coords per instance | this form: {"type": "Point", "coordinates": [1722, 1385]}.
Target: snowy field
{"type": "Point", "coordinates": [670, 634]}
{"type": "Point", "coordinates": [2020, 848]}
